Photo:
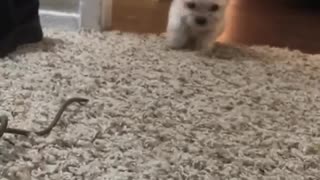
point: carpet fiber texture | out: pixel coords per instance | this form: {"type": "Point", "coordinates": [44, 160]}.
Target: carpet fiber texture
{"type": "Point", "coordinates": [247, 113]}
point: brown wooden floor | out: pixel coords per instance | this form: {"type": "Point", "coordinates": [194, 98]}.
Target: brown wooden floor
{"type": "Point", "coordinates": [267, 22]}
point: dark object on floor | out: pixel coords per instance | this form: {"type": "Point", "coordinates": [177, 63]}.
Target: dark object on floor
{"type": "Point", "coordinates": [4, 121]}
{"type": "Point", "coordinates": [20, 24]}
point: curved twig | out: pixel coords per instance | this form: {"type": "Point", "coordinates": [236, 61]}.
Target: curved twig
{"type": "Point", "coordinates": [59, 114]}
{"type": "Point", "coordinates": [46, 131]}
{"type": "Point", "coordinates": [3, 125]}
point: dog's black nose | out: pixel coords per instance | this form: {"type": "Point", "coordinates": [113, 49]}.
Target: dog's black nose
{"type": "Point", "coordinates": [201, 21]}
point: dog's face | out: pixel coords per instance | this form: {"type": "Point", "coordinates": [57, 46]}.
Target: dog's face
{"type": "Point", "coordinates": [203, 14]}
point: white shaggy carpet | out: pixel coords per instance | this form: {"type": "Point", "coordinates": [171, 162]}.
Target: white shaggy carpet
{"type": "Point", "coordinates": [156, 114]}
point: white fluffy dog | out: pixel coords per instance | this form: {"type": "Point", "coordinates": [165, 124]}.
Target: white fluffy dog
{"type": "Point", "coordinates": [195, 24]}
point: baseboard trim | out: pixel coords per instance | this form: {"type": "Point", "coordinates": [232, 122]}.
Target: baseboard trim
{"type": "Point", "coordinates": [106, 14]}
{"type": "Point", "coordinates": [95, 14]}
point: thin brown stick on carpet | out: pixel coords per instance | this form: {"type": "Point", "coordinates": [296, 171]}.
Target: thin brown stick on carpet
{"type": "Point", "coordinates": [154, 113]}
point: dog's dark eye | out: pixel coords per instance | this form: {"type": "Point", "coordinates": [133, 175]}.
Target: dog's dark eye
{"type": "Point", "coordinates": [214, 7]}
{"type": "Point", "coordinates": [191, 5]}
